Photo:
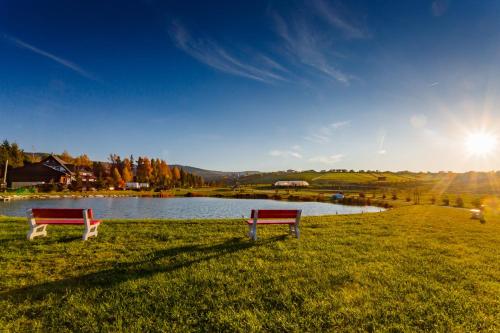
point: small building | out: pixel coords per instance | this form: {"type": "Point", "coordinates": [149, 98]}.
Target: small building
{"type": "Point", "coordinates": [87, 176]}
{"type": "Point", "coordinates": [50, 170]}
{"type": "Point", "coordinates": [136, 186]}
{"type": "Point", "coordinates": [338, 196]}
{"type": "Point", "coordinates": [291, 183]}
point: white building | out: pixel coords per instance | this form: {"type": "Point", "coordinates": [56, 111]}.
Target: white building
{"type": "Point", "coordinates": [291, 183]}
{"type": "Point", "coordinates": [136, 186]}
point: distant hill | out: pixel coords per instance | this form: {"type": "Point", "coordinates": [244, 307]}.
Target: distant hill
{"type": "Point", "coordinates": [211, 175]}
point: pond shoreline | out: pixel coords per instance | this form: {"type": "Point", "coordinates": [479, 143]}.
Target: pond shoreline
{"type": "Point", "coordinates": [178, 207]}
{"type": "Point", "coordinates": [348, 201]}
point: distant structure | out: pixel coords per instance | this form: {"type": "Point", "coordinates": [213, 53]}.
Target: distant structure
{"type": "Point", "coordinates": [291, 183]}
{"type": "Point", "coordinates": [382, 178]}
{"type": "Point", "coordinates": [338, 196]}
{"type": "Point", "coordinates": [136, 186]}
{"type": "Point", "coordinates": [50, 170]}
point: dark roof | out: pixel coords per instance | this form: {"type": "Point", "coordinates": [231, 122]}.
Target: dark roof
{"type": "Point", "coordinates": [58, 160]}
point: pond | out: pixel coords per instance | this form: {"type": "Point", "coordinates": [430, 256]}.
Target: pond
{"type": "Point", "coordinates": [178, 208]}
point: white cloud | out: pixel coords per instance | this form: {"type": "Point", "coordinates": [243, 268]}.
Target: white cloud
{"type": "Point", "coordinates": [332, 159]}
{"type": "Point", "coordinates": [324, 134]}
{"type": "Point", "coordinates": [285, 153]}
{"type": "Point", "coordinates": [66, 63]}
{"type": "Point", "coordinates": [212, 54]}
{"type": "Point", "coordinates": [381, 150]}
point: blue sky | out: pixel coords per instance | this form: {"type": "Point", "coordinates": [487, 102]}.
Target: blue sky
{"type": "Point", "coordinates": [254, 85]}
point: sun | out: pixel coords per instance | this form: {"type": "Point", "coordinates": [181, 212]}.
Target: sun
{"type": "Point", "coordinates": [480, 143]}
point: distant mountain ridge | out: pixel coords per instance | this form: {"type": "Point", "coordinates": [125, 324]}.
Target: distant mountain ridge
{"type": "Point", "coordinates": [210, 175]}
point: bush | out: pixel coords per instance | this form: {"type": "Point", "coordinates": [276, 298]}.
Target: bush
{"type": "Point", "coordinates": [433, 200]}
{"type": "Point", "coordinates": [476, 202]}
{"type": "Point", "coordinates": [361, 195]}
{"type": "Point", "coordinates": [446, 201]}
{"type": "Point", "coordinates": [394, 196]}
{"type": "Point", "coordinates": [459, 202]}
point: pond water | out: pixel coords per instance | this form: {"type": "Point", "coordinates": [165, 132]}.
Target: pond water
{"type": "Point", "coordinates": [178, 208]}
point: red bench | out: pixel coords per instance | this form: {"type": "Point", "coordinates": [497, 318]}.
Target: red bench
{"type": "Point", "coordinates": [273, 216]}
{"type": "Point", "coordinates": [39, 218]}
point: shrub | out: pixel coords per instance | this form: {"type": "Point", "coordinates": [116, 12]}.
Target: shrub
{"type": "Point", "coordinates": [476, 202]}
{"type": "Point", "coordinates": [446, 201]}
{"type": "Point", "coordinates": [394, 196]}
{"type": "Point", "coordinates": [459, 202]}
{"type": "Point", "coordinates": [433, 200]}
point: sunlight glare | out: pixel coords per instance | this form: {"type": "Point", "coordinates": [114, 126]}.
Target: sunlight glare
{"type": "Point", "coordinates": [480, 143]}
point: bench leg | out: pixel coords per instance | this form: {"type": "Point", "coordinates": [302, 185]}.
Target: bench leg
{"type": "Point", "coordinates": [252, 232]}
{"type": "Point", "coordinates": [37, 230]}
{"type": "Point", "coordinates": [297, 232]}
{"type": "Point", "coordinates": [90, 232]}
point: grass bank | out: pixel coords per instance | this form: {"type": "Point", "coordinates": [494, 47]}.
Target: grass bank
{"type": "Point", "coordinates": [412, 268]}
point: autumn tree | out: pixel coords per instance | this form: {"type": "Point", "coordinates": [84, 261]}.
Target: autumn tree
{"type": "Point", "coordinates": [66, 157]}
{"type": "Point", "coordinates": [144, 170]}
{"type": "Point", "coordinates": [117, 178]}
{"type": "Point", "coordinates": [82, 162]}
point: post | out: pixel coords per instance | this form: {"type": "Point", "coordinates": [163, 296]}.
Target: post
{"type": "Point", "coordinates": [297, 221]}
{"type": "Point", "coordinates": [5, 174]}
{"type": "Point", "coordinates": [253, 233]}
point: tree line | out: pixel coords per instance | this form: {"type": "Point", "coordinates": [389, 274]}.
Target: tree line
{"type": "Point", "coordinates": [117, 172]}
{"type": "Point", "coordinates": [155, 172]}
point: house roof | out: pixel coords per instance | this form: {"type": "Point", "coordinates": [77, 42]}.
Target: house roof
{"type": "Point", "coordinates": [58, 160]}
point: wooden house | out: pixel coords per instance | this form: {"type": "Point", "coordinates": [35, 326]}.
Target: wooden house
{"type": "Point", "coordinates": [51, 170]}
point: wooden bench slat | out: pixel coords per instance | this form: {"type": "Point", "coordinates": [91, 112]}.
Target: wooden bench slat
{"type": "Point", "coordinates": [275, 213]}
{"type": "Point", "coordinates": [259, 221]}
{"type": "Point", "coordinates": [65, 221]}
{"type": "Point", "coordinates": [65, 213]}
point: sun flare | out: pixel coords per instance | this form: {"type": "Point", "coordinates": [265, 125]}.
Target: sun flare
{"type": "Point", "coordinates": [481, 143]}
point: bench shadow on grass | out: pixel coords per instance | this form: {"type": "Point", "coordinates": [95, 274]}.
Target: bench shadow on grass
{"type": "Point", "coordinates": [136, 270]}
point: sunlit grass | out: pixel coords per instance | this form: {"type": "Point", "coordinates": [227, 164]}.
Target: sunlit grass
{"type": "Point", "coordinates": [413, 268]}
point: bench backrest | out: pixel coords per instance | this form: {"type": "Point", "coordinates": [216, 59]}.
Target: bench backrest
{"type": "Point", "coordinates": [275, 213]}
{"type": "Point", "coordinates": [60, 213]}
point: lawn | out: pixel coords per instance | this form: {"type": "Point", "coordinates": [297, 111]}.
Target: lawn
{"type": "Point", "coordinates": [426, 268]}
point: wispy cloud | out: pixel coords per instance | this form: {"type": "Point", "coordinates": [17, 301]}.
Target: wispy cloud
{"type": "Point", "coordinates": [308, 47]}
{"type": "Point", "coordinates": [311, 37]}
{"type": "Point", "coordinates": [66, 63]}
{"type": "Point", "coordinates": [333, 17]}
{"type": "Point", "coordinates": [210, 53]}
{"type": "Point", "coordinates": [381, 150]}
{"type": "Point", "coordinates": [285, 153]}
{"type": "Point", "coordinates": [331, 159]}
{"type": "Point", "coordinates": [324, 134]}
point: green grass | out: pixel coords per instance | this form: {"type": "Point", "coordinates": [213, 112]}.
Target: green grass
{"type": "Point", "coordinates": [415, 268]}
{"type": "Point", "coordinates": [321, 178]}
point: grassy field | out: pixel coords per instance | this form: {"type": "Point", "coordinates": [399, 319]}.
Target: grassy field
{"type": "Point", "coordinates": [412, 268]}
{"type": "Point", "coordinates": [314, 177]}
